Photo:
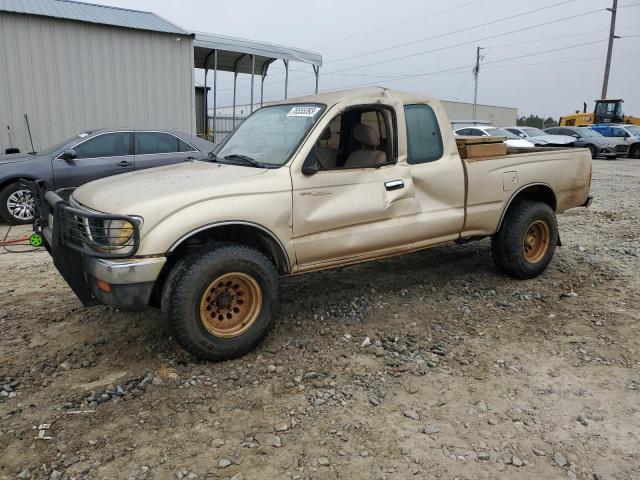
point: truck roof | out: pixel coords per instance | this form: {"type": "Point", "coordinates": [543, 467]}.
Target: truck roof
{"type": "Point", "coordinates": [357, 94]}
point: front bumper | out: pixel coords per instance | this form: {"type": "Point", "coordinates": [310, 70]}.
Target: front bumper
{"type": "Point", "coordinates": [96, 276]}
{"type": "Point", "coordinates": [123, 284]}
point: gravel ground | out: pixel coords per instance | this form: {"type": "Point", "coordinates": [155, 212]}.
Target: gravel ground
{"type": "Point", "coordinates": [431, 365]}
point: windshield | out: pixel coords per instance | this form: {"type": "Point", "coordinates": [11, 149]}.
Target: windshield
{"type": "Point", "coordinates": [58, 146]}
{"type": "Point", "coordinates": [501, 132]}
{"type": "Point", "coordinates": [587, 132]}
{"type": "Point", "coordinates": [534, 132]}
{"type": "Point", "coordinates": [633, 130]}
{"type": "Point", "coordinates": [271, 134]}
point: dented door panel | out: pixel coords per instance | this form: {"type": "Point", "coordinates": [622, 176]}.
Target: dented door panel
{"type": "Point", "coordinates": [342, 213]}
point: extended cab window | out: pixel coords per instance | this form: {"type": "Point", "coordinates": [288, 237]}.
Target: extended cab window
{"type": "Point", "coordinates": [424, 141]}
{"type": "Point", "coordinates": [105, 145]}
{"type": "Point", "coordinates": [157, 142]}
{"type": "Point", "coordinates": [359, 137]}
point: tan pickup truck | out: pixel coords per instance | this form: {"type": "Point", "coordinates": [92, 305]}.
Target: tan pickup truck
{"type": "Point", "coordinates": [308, 184]}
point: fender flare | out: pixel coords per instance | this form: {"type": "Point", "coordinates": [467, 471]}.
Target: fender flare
{"type": "Point", "coordinates": [227, 223]}
{"type": "Point", "coordinates": [518, 192]}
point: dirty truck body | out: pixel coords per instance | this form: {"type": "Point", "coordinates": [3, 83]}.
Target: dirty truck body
{"type": "Point", "coordinates": [313, 183]}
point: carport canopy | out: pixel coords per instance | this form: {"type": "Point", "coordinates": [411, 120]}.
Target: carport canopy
{"type": "Point", "coordinates": [237, 55]}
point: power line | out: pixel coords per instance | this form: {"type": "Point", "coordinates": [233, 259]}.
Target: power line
{"type": "Point", "coordinates": [447, 47]}
{"type": "Point", "coordinates": [473, 27]}
{"type": "Point", "coordinates": [462, 30]}
{"type": "Point", "coordinates": [389, 27]}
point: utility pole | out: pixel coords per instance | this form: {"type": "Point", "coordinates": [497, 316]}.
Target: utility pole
{"type": "Point", "coordinates": [612, 36]}
{"type": "Point", "coordinates": [476, 72]}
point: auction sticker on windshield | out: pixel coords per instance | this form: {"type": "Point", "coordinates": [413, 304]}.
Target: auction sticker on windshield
{"type": "Point", "coordinates": [303, 111]}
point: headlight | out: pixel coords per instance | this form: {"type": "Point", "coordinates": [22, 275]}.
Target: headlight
{"type": "Point", "coordinates": [120, 232]}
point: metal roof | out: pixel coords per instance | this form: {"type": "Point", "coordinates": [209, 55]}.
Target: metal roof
{"type": "Point", "coordinates": [236, 52]}
{"type": "Point", "coordinates": [89, 12]}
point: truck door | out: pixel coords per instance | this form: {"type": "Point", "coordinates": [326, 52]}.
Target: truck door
{"type": "Point", "coordinates": [102, 155]}
{"type": "Point", "coordinates": [360, 199]}
{"type": "Point", "coordinates": [437, 175]}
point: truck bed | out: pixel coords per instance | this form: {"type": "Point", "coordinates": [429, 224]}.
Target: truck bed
{"type": "Point", "coordinates": [493, 181]}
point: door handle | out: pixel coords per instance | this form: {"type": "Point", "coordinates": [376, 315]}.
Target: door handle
{"type": "Point", "coordinates": [124, 163]}
{"type": "Point", "coordinates": [394, 185]}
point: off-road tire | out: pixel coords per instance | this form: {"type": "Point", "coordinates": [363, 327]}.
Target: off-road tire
{"type": "Point", "coordinates": [508, 244]}
{"type": "Point", "coordinates": [187, 284]}
{"type": "Point", "coordinates": [5, 213]}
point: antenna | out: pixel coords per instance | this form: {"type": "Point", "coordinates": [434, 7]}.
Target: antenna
{"type": "Point", "coordinates": [26, 119]}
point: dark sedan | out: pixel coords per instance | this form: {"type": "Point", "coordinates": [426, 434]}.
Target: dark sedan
{"type": "Point", "coordinates": [600, 146]}
{"type": "Point", "coordinates": [89, 156]}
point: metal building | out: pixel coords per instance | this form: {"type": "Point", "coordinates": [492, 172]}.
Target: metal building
{"type": "Point", "coordinates": [73, 66]}
{"type": "Point", "coordinates": [462, 113]}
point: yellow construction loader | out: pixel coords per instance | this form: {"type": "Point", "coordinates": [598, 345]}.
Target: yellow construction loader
{"type": "Point", "coordinates": [606, 111]}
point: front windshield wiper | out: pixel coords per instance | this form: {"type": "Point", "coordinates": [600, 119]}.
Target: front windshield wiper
{"type": "Point", "coordinates": [248, 161]}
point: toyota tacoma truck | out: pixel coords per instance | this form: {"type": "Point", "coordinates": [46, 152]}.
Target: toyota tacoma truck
{"type": "Point", "coordinates": [308, 184]}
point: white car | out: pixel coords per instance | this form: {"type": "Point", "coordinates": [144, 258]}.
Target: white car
{"type": "Point", "coordinates": [540, 138]}
{"type": "Point", "coordinates": [484, 131]}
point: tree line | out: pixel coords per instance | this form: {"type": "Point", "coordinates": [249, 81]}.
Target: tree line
{"type": "Point", "coordinates": [536, 121]}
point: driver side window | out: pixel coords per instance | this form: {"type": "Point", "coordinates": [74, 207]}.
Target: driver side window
{"type": "Point", "coordinates": [357, 138]}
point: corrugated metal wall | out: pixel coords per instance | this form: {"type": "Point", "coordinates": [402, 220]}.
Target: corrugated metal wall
{"type": "Point", "coordinates": [496, 116]}
{"type": "Point", "coordinates": [71, 76]}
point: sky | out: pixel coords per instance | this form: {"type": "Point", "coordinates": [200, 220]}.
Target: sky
{"type": "Point", "coordinates": [432, 44]}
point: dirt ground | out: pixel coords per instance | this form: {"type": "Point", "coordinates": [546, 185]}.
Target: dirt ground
{"type": "Point", "coordinates": [431, 365]}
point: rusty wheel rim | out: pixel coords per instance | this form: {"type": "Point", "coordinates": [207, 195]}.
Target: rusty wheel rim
{"type": "Point", "coordinates": [536, 241]}
{"type": "Point", "coordinates": [231, 304]}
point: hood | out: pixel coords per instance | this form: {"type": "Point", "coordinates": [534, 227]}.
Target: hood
{"type": "Point", "coordinates": [553, 139]}
{"type": "Point", "coordinates": [512, 142]}
{"type": "Point", "coordinates": [17, 157]}
{"type": "Point", "coordinates": [163, 188]}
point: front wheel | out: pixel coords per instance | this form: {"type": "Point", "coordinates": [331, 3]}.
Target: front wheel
{"type": "Point", "coordinates": [221, 303]}
{"type": "Point", "coordinates": [634, 152]}
{"type": "Point", "coordinates": [16, 205]}
{"type": "Point", "coordinates": [594, 151]}
{"type": "Point", "coordinates": [526, 241]}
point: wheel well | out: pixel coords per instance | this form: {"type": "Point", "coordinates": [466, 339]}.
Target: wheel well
{"type": "Point", "coordinates": [244, 234]}
{"type": "Point", "coordinates": [538, 193]}
{"type": "Point", "coordinates": [9, 181]}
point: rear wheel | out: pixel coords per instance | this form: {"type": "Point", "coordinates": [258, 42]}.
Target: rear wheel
{"type": "Point", "coordinates": [16, 205]}
{"type": "Point", "coordinates": [222, 303]}
{"type": "Point", "coordinates": [526, 241]}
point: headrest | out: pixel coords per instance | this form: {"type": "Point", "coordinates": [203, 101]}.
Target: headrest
{"type": "Point", "coordinates": [326, 135]}
{"type": "Point", "coordinates": [365, 135]}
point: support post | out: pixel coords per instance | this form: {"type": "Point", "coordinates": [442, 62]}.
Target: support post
{"type": "Point", "coordinates": [204, 127]}
{"type": "Point", "coordinates": [215, 95]}
{"type": "Point", "coordinates": [286, 78]}
{"type": "Point", "coordinates": [235, 77]}
{"type": "Point", "coordinates": [253, 74]}
{"type": "Point", "coordinates": [612, 35]}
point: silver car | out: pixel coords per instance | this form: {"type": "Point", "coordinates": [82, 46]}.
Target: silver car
{"type": "Point", "coordinates": [88, 156]}
{"type": "Point", "coordinates": [542, 139]}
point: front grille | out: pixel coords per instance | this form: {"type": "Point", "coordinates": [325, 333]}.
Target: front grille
{"type": "Point", "coordinates": [622, 148]}
{"type": "Point", "coordinates": [96, 234]}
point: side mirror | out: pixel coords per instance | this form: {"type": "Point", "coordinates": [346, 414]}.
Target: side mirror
{"type": "Point", "coordinates": [310, 165]}
{"type": "Point", "coordinates": [69, 154]}
{"type": "Point", "coordinates": [522, 135]}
